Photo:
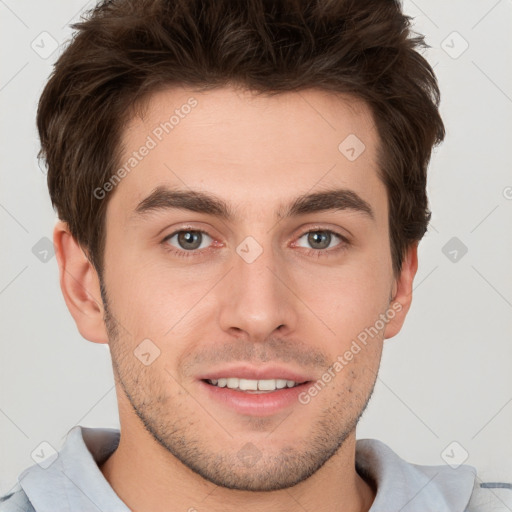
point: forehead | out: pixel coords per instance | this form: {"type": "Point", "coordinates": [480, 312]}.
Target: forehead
{"type": "Point", "coordinates": [255, 151]}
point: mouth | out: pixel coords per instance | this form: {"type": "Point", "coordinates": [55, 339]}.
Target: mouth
{"type": "Point", "coordinates": [253, 386]}
{"type": "Point", "coordinates": [252, 392]}
{"type": "Point", "coordinates": [255, 390]}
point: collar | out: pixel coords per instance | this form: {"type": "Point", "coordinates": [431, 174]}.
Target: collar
{"type": "Point", "coordinates": [410, 487]}
{"type": "Point", "coordinates": [74, 481]}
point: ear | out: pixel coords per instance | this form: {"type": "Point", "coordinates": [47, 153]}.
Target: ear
{"type": "Point", "coordinates": [80, 285]}
{"type": "Point", "coordinates": [402, 293]}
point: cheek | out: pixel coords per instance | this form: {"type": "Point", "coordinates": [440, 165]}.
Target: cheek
{"type": "Point", "coordinates": [154, 301]}
{"type": "Point", "coordinates": [134, 295]}
{"type": "Point", "coordinates": [350, 297]}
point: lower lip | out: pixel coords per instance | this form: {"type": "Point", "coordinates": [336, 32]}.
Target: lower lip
{"type": "Point", "coordinates": [255, 404]}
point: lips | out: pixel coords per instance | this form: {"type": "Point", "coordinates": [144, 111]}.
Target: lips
{"type": "Point", "coordinates": [244, 399]}
{"type": "Point", "coordinates": [269, 397]}
{"type": "Point", "coordinates": [254, 403]}
{"type": "Point", "coordinates": [254, 373]}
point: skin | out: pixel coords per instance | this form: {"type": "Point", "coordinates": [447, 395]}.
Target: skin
{"type": "Point", "coordinates": [288, 306]}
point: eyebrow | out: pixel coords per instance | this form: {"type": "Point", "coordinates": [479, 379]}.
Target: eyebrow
{"type": "Point", "coordinates": [163, 198]}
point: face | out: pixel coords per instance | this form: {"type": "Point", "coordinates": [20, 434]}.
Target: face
{"type": "Point", "coordinates": [268, 274]}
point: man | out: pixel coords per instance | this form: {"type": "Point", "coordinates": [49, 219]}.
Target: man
{"type": "Point", "coordinates": [241, 193]}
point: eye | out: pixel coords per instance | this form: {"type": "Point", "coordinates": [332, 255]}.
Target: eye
{"type": "Point", "coordinates": [192, 242]}
{"type": "Point", "coordinates": [188, 239]}
{"type": "Point", "coordinates": [321, 239]}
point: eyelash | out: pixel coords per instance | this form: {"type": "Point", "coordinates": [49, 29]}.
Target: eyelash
{"type": "Point", "coordinates": [316, 253]}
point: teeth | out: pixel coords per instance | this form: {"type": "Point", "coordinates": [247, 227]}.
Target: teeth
{"type": "Point", "coordinates": [267, 385]}
{"type": "Point", "coordinates": [232, 382]}
{"type": "Point", "coordinates": [246, 384]}
{"type": "Point", "coordinates": [280, 383]}
{"type": "Point", "coordinates": [253, 385]}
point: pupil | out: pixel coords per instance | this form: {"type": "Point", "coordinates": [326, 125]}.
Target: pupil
{"type": "Point", "coordinates": [316, 237]}
{"type": "Point", "coordinates": [189, 237]}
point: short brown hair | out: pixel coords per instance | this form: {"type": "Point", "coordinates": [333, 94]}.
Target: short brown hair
{"type": "Point", "coordinates": [127, 49]}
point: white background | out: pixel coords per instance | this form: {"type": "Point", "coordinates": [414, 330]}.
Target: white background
{"type": "Point", "coordinates": [446, 377]}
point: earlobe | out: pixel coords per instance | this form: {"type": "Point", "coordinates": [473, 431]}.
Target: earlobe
{"type": "Point", "coordinates": [402, 292]}
{"type": "Point", "coordinates": [80, 285]}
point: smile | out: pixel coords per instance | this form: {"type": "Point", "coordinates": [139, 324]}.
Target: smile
{"type": "Point", "coordinates": [253, 385]}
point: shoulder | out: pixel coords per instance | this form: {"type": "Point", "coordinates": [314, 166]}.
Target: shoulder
{"type": "Point", "coordinates": [490, 496]}
{"type": "Point", "coordinates": [16, 501]}
{"type": "Point", "coordinates": [419, 487]}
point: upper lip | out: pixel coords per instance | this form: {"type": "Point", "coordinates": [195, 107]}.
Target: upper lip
{"type": "Point", "coordinates": [254, 373]}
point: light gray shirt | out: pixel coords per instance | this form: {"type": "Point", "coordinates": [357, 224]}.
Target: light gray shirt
{"type": "Point", "coordinates": [73, 482]}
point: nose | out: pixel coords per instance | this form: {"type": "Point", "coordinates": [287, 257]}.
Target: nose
{"type": "Point", "coordinates": [257, 296]}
